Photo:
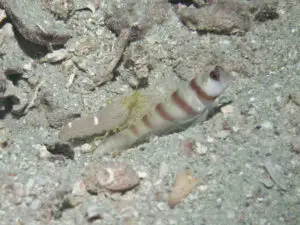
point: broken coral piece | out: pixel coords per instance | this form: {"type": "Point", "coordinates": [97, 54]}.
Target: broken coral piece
{"type": "Point", "coordinates": [56, 56]}
{"type": "Point", "coordinates": [184, 185]}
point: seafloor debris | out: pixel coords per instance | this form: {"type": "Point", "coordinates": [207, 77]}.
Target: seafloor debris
{"type": "Point", "coordinates": [137, 65]}
{"type": "Point", "coordinates": [120, 47]}
{"type": "Point", "coordinates": [91, 5]}
{"type": "Point", "coordinates": [38, 27]}
{"type": "Point", "coordinates": [4, 135]}
{"type": "Point", "coordinates": [86, 45]}
{"type": "Point", "coordinates": [184, 185]}
{"type": "Point", "coordinates": [61, 148]}
{"type": "Point", "coordinates": [93, 212]}
{"type": "Point", "coordinates": [62, 9]}
{"type": "Point", "coordinates": [2, 84]}
{"type": "Point", "coordinates": [56, 56]}
{"type": "Point", "coordinates": [13, 99]}
{"type": "Point", "coordinates": [295, 97]}
{"type": "Point", "coordinates": [228, 17]}
{"type": "Point", "coordinates": [276, 174]}
{"type": "Point", "coordinates": [296, 146]}
{"type": "Point", "coordinates": [266, 13]}
{"type": "Point", "coordinates": [128, 27]}
{"type": "Point", "coordinates": [112, 176]}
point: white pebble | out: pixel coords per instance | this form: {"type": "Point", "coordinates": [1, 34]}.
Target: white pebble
{"type": "Point", "coordinates": [163, 170]}
{"type": "Point", "coordinates": [142, 174]}
{"type": "Point", "coordinates": [79, 188]}
{"type": "Point", "coordinates": [228, 109]}
{"type": "Point", "coordinates": [203, 187]}
{"type": "Point", "coordinates": [28, 66]}
{"type": "Point", "coordinates": [85, 148]}
{"type": "Point", "coordinates": [43, 153]}
{"type": "Point", "coordinates": [29, 186]}
{"type": "Point", "coordinates": [267, 125]}
{"type": "Point", "coordinates": [210, 139]}
{"type": "Point", "coordinates": [147, 187]}
{"type": "Point", "coordinates": [162, 206]}
{"type": "Point", "coordinates": [201, 149]}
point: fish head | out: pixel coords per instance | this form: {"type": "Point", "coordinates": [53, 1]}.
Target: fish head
{"type": "Point", "coordinates": [216, 81]}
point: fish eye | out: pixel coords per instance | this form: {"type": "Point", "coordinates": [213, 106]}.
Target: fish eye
{"type": "Point", "coordinates": [215, 75]}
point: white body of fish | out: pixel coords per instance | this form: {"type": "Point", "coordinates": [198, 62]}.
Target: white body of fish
{"type": "Point", "coordinates": [183, 105]}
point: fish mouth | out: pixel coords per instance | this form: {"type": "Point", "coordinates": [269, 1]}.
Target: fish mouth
{"type": "Point", "coordinates": [225, 77]}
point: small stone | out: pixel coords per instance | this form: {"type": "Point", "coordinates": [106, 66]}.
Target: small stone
{"type": "Point", "coordinates": [36, 204]}
{"type": "Point", "coordinates": [223, 134]}
{"type": "Point", "coordinates": [163, 170]}
{"type": "Point", "coordinates": [129, 212]}
{"type": "Point", "coordinates": [260, 199]}
{"type": "Point", "coordinates": [219, 202]}
{"type": "Point", "coordinates": [71, 201]}
{"type": "Point", "coordinates": [2, 15]}
{"type": "Point", "coordinates": [267, 182]}
{"type": "Point", "coordinates": [226, 110]}
{"type": "Point", "coordinates": [61, 148]}
{"type": "Point", "coordinates": [185, 183]}
{"type": "Point", "coordinates": [295, 97]}
{"type": "Point", "coordinates": [27, 66]}
{"type": "Point", "coordinates": [187, 147]}
{"type": "Point", "coordinates": [29, 186]}
{"type": "Point", "coordinates": [296, 146]}
{"type": "Point", "coordinates": [162, 206]}
{"type": "Point", "coordinates": [267, 125]}
{"type": "Point", "coordinates": [4, 137]}
{"type": "Point", "coordinates": [79, 188]}
{"type": "Point", "coordinates": [201, 149]}
{"type": "Point", "coordinates": [85, 148]}
{"type": "Point", "coordinates": [147, 187]}
{"type": "Point", "coordinates": [93, 213]}
{"type": "Point", "coordinates": [43, 153]}
{"type": "Point", "coordinates": [56, 56]}
{"type": "Point", "coordinates": [33, 81]}
{"type": "Point", "coordinates": [142, 174]}
{"type": "Point", "coordinates": [210, 139]}
{"type": "Point", "coordinates": [203, 187]}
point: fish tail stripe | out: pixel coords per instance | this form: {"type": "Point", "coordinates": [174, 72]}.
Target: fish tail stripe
{"type": "Point", "coordinates": [160, 109]}
{"type": "Point", "coordinates": [146, 121]}
{"type": "Point", "coordinates": [182, 104]}
{"type": "Point", "coordinates": [200, 93]}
